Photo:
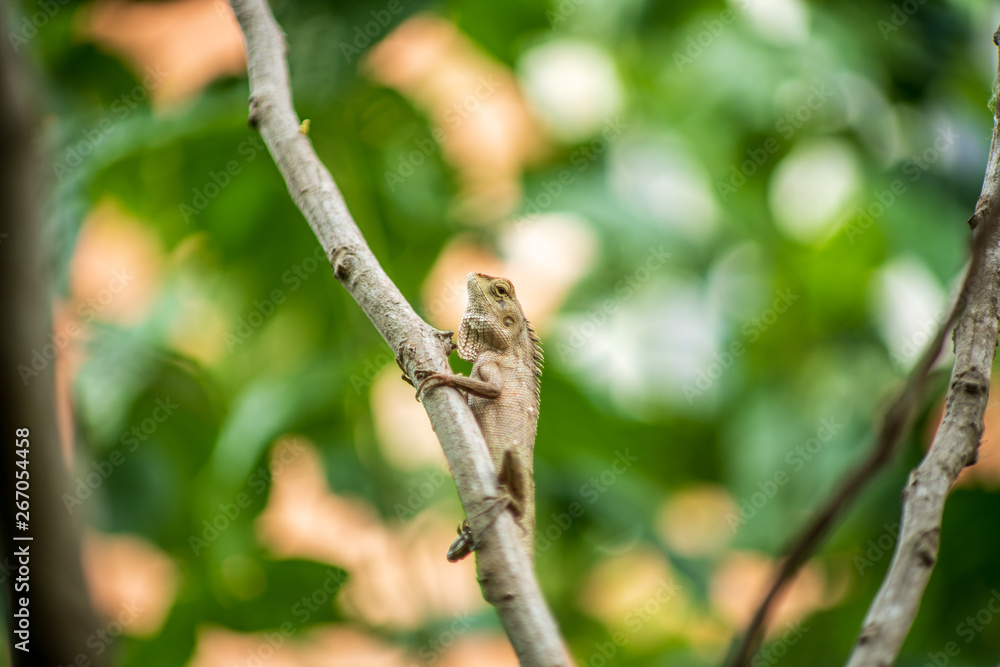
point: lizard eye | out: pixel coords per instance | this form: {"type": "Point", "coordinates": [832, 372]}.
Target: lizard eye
{"type": "Point", "coordinates": [500, 289]}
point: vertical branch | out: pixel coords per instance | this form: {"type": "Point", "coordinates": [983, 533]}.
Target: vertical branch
{"type": "Point", "coordinates": [975, 311]}
{"type": "Point", "coordinates": [892, 612]}
{"type": "Point", "coordinates": [505, 571]}
{"type": "Point", "coordinates": [49, 576]}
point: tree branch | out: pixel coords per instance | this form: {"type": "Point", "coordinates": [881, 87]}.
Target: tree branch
{"type": "Point", "coordinates": [975, 310]}
{"type": "Point", "coordinates": [505, 572]}
{"type": "Point", "coordinates": [62, 622]}
{"type": "Point", "coordinates": [893, 429]}
{"type": "Point", "coordinates": [955, 446]}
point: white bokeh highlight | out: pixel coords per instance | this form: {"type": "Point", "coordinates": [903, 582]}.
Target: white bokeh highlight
{"type": "Point", "coordinates": [572, 85]}
{"type": "Point", "coordinates": [662, 182]}
{"type": "Point", "coordinates": [781, 22]}
{"type": "Point", "coordinates": [908, 305]}
{"type": "Point", "coordinates": [811, 188]}
{"type": "Point", "coordinates": [639, 357]}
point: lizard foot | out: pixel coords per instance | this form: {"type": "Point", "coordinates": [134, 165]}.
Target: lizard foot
{"type": "Point", "coordinates": [465, 543]}
{"type": "Point", "coordinates": [435, 380]}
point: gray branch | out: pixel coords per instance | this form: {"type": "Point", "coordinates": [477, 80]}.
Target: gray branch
{"type": "Point", "coordinates": [892, 612]}
{"type": "Point", "coordinates": [505, 573]}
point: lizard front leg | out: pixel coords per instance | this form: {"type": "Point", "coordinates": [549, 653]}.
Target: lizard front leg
{"type": "Point", "coordinates": [489, 387]}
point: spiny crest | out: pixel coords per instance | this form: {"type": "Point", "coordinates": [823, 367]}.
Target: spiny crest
{"type": "Point", "coordinates": [537, 356]}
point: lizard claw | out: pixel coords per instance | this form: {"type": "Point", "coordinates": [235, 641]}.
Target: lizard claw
{"type": "Point", "coordinates": [463, 545]}
{"type": "Point", "coordinates": [423, 384]}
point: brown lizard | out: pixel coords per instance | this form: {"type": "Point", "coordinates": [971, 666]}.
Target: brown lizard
{"type": "Point", "coordinates": [503, 390]}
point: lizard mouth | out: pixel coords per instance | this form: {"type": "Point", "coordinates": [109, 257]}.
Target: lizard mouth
{"type": "Point", "coordinates": [474, 283]}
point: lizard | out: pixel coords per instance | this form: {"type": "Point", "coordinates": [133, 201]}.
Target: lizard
{"type": "Point", "coordinates": [503, 390]}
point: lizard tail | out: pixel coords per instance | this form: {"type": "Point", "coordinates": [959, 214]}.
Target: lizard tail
{"type": "Point", "coordinates": [521, 489]}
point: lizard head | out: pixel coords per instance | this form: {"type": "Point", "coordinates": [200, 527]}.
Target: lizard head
{"type": "Point", "coordinates": [493, 319]}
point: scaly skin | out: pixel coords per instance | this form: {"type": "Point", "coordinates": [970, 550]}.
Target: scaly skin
{"type": "Point", "coordinates": [503, 391]}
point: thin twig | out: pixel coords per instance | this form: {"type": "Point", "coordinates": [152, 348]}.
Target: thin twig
{"type": "Point", "coordinates": [891, 433]}
{"type": "Point", "coordinates": [957, 441]}
{"type": "Point", "coordinates": [505, 573]}
{"type": "Point", "coordinates": [893, 429]}
{"type": "Point", "coordinates": [897, 423]}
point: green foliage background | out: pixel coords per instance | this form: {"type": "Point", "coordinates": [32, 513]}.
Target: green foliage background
{"type": "Point", "coordinates": [824, 357]}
